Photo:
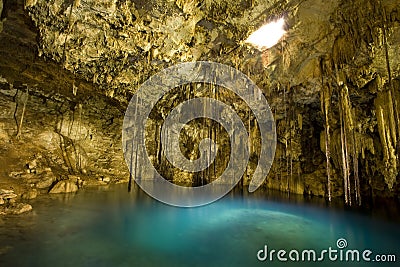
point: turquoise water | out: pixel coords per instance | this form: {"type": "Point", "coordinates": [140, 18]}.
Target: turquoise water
{"type": "Point", "coordinates": [110, 227]}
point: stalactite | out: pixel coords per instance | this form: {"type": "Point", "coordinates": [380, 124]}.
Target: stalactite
{"type": "Point", "coordinates": [19, 125]}
{"type": "Point", "coordinates": [370, 30]}
{"type": "Point", "coordinates": [130, 167]}
{"type": "Point", "coordinates": [77, 123]}
{"type": "Point", "coordinates": [355, 170]}
{"type": "Point", "coordinates": [216, 134]}
{"type": "Point", "coordinates": [325, 105]}
{"type": "Point", "coordinates": [355, 151]}
{"type": "Point", "coordinates": [203, 176]}
{"type": "Point", "coordinates": [343, 140]}
{"type": "Point", "coordinates": [385, 132]}
{"type": "Point", "coordinates": [281, 158]}
{"type": "Point", "coordinates": [346, 149]}
{"type": "Point", "coordinates": [382, 132]}
{"type": "Point", "coordinates": [344, 163]}
{"type": "Point", "coordinates": [346, 121]}
{"type": "Point", "coordinates": [137, 174]}
{"type": "Point", "coordinates": [349, 144]}
{"type": "Point", "coordinates": [134, 154]}
{"type": "Point", "coordinates": [392, 93]}
{"type": "Point", "coordinates": [69, 29]}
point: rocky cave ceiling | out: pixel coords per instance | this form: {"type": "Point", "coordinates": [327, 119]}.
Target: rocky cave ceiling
{"type": "Point", "coordinates": [337, 66]}
{"type": "Point", "coordinates": [119, 44]}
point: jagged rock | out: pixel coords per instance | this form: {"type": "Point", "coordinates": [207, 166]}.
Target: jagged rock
{"type": "Point", "coordinates": [5, 249]}
{"type": "Point", "coordinates": [64, 187]}
{"type": "Point", "coordinates": [46, 183]}
{"type": "Point", "coordinates": [32, 164]}
{"type": "Point", "coordinates": [15, 209]}
{"type": "Point", "coordinates": [7, 196]}
{"type": "Point", "coordinates": [15, 174]}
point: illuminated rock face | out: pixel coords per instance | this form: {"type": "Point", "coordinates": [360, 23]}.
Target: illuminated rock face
{"type": "Point", "coordinates": [332, 81]}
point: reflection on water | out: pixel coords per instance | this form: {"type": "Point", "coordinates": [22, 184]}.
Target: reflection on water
{"type": "Point", "coordinates": [110, 227]}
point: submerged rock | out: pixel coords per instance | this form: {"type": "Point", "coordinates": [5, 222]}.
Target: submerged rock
{"type": "Point", "coordinates": [15, 209]}
{"type": "Point", "coordinates": [64, 187]}
{"type": "Point", "coordinates": [6, 196]}
{"type": "Point", "coordinates": [5, 249]}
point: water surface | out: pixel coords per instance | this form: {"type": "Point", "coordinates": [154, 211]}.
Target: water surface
{"type": "Point", "coordinates": [109, 227]}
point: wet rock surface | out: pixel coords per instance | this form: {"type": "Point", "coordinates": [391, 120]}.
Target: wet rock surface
{"type": "Point", "coordinates": [64, 187]}
{"type": "Point", "coordinates": [332, 83]}
{"type": "Point", "coordinates": [8, 204]}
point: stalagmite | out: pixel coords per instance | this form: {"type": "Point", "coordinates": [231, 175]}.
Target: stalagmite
{"type": "Point", "coordinates": [344, 161]}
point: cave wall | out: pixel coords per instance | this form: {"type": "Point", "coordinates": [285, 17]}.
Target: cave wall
{"type": "Point", "coordinates": [332, 82]}
{"type": "Point", "coordinates": [55, 128]}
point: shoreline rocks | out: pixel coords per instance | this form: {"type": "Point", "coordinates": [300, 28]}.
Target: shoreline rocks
{"type": "Point", "coordinates": [8, 206]}
{"type": "Point", "coordinates": [6, 196]}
